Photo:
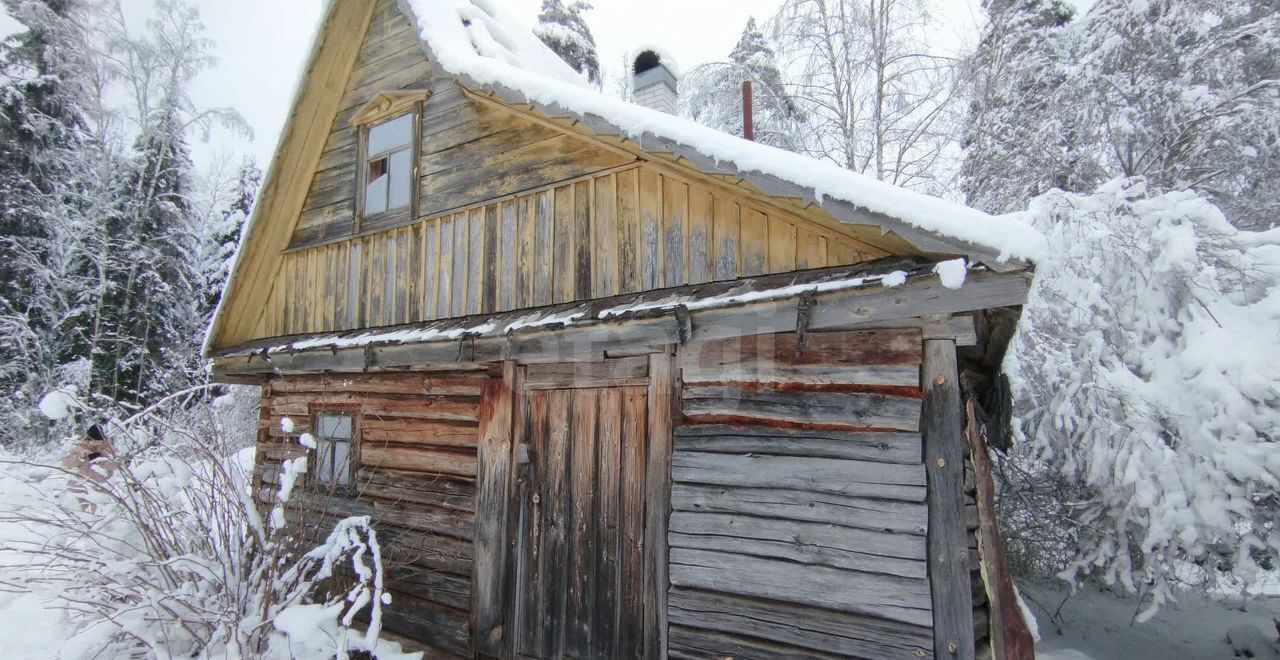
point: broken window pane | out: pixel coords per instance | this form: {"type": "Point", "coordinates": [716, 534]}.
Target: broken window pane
{"type": "Point", "coordinates": [375, 192]}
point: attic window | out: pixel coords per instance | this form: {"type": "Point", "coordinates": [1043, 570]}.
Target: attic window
{"type": "Point", "coordinates": [388, 166]}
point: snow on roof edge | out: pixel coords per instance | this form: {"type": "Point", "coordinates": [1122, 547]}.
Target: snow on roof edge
{"type": "Point", "coordinates": [453, 45]}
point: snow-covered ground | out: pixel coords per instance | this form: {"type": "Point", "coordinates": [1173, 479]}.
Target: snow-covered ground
{"type": "Point", "coordinates": [1098, 625]}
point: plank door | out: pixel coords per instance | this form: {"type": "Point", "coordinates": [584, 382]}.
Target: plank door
{"type": "Point", "coordinates": [579, 560]}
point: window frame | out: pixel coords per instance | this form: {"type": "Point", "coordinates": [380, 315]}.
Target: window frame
{"type": "Point", "coordinates": [352, 412]}
{"type": "Point", "coordinates": [370, 118]}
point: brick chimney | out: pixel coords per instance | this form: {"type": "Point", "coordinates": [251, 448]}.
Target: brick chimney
{"type": "Point", "coordinates": [655, 81]}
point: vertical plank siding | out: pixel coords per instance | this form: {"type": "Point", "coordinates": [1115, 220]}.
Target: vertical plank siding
{"type": "Point", "coordinates": [623, 231]}
{"type": "Point", "coordinates": [799, 519]}
{"type": "Point", "coordinates": [416, 451]}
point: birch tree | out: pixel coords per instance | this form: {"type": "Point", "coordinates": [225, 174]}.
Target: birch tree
{"type": "Point", "coordinates": [877, 100]}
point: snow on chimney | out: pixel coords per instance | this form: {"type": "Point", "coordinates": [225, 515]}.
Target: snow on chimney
{"type": "Point", "coordinates": [655, 80]}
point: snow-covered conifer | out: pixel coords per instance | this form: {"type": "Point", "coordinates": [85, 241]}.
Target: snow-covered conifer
{"type": "Point", "coordinates": [711, 94]}
{"type": "Point", "coordinates": [564, 30]}
{"type": "Point", "coordinates": [1018, 141]}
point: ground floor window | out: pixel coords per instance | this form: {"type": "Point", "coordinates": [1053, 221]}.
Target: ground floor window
{"type": "Point", "coordinates": [335, 435]}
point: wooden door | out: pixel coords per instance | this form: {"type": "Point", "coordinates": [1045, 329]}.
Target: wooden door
{"type": "Point", "coordinates": [580, 568]}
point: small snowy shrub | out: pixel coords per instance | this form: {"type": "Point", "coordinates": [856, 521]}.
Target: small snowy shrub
{"type": "Point", "coordinates": [168, 556]}
{"type": "Point", "coordinates": [1148, 377]}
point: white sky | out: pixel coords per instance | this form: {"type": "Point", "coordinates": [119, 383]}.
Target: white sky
{"type": "Point", "coordinates": [261, 45]}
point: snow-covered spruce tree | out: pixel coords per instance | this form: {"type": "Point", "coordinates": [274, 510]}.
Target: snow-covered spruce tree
{"type": "Point", "coordinates": [1018, 141]}
{"type": "Point", "coordinates": [1187, 94]}
{"type": "Point", "coordinates": [156, 304]}
{"type": "Point", "coordinates": [1148, 382]}
{"type": "Point", "coordinates": [51, 200]}
{"type": "Point", "coordinates": [876, 99]}
{"type": "Point", "coordinates": [222, 237]}
{"type": "Point", "coordinates": [564, 30]}
{"type": "Point", "coordinates": [711, 94]}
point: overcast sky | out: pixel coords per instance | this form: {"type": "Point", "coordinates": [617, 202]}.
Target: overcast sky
{"type": "Point", "coordinates": [261, 45]}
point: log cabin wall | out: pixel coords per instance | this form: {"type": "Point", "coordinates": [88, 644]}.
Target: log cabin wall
{"type": "Point", "coordinates": [416, 471]}
{"type": "Point", "coordinates": [799, 499]}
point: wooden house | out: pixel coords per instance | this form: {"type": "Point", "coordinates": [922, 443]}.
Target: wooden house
{"type": "Point", "coordinates": [618, 385]}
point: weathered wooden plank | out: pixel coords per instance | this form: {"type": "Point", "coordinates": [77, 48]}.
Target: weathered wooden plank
{"type": "Point", "coordinates": [782, 246]}
{"type": "Point", "coordinates": [847, 410]}
{"type": "Point", "coordinates": [810, 543]}
{"type": "Point", "coordinates": [583, 240]}
{"type": "Point", "coordinates": [566, 375]}
{"type": "Point", "coordinates": [629, 238]}
{"type": "Point", "coordinates": [493, 480]}
{"type": "Point", "coordinates": [658, 500]}
{"type": "Point", "coordinates": [544, 268]}
{"type": "Point", "coordinates": [633, 571]}
{"type": "Point", "coordinates": [944, 460]}
{"type": "Point", "coordinates": [492, 268]}
{"type": "Point", "coordinates": [563, 264]}
{"type": "Point", "coordinates": [701, 644]}
{"type": "Point", "coordinates": [445, 268]}
{"type": "Point", "coordinates": [605, 234]}
{"type": "Point", "coordinates": [427, 385]}
{"type": "Point", "coordinates": [755, 242]}
{"type": "Point", "coordinates": [775, 357]}
{"type": "Point", "coordinates": [457, 461]}
{"type": "Point", "coordinates": [675, 205]}
{"type": "Point", "coordinates": [429, 267]}
{"type": "Point", "coordinates": [462, 257]}
{"type": "Point", "coordinates": [508, 291]}
{"type": "Point", "coordinates": [604, 559]}
{"type": "Point", "coordinates": [811, 250]}
{"type": "Point", "coordinates": [898, 517]}
{"type": "Point", "coordinates": [555, 577]}
{"type": "Point", "coordinates": [820, 475]}
{"type": "Point", "coordinates": [419, 432]}
{"type": "Point", "coordinates": [1010, 637]}
{"type": "Point", "coordinates": [700, 234]}
{"type": "Point", "coordinates": [526, 217]}
{"type": "Point", "coordinates": [476, 261]}
{"type": "Point", "coordinates": [651, 229]}
{"type": "Point", "coordinates": [530, 589]}
{"type": "Point", "coordinates": [819, 629]}
{"type": "Point", "coordinates": [894, 598]}
{"type": "Point", "coordinates": [726, 235]}
{"type": "Point", "coordinates": [580, 606]}
{"type": "Point", "coordinates": [901, 448]}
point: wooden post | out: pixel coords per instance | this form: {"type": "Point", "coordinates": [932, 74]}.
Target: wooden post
{"type": "Point", "coordinates": [942, 427]}
{"type": "Point", "coordinates": [658, 503]}
{"type": "Point", "coordinates": [493, 479]}
{"type": "Point", "coordinates": [748, 119]}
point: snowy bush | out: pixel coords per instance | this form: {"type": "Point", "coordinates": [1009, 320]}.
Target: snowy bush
{"type": "Point", "coordinates": [166, 554]}
{"type": "Point", "coordinates": [1149, 386]}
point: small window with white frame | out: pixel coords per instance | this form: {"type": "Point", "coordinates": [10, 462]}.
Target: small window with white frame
{"type": "Point", "coordinates": [388, 166]}
{"type": "Point", "coordinates": [334, 455]}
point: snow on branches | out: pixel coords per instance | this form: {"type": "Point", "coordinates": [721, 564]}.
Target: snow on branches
{"type": "Point", "coordinates": [1147, 375]}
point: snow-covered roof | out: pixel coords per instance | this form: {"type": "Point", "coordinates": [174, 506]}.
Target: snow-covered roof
{"type": "Point", "coordinates": [478, 42]}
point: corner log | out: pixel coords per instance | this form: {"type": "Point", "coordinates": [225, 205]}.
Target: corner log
{"type": "Point", "coordinates": [943, 432]}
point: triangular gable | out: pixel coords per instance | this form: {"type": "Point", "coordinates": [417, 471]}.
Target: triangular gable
{"type": "Point", "coordinates": [347, 80]}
